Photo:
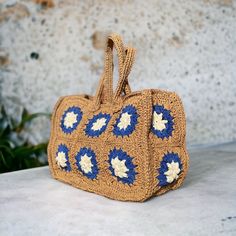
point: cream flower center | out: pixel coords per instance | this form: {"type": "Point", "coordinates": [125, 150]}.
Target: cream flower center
{"type": "Point", "coordinates": [173, 171]}
{"type": "Point", "coordinates": [119, 167]}
{"type": "Point", "coordinates": [158, 122]}
{"type": "Point", "coordinates": [125, 120]}
{"type": "Point", "coordinates": [61, 159]}
{"type": "Point", "coordinates": [99, 124]}
{"type": "Point", "coordinates": [86, 164]}
{"type": "Point", "coordinates": [70, 119]}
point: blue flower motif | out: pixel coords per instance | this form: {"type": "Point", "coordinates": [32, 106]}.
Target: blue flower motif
{"type": "Point", "coordinates": [126, 122]}
{"type": "Point", "coordinates": [121, 166]}
{"type": "Point", "coordinates": [62, 157]}
{"type": "Point", "coordinates": [170, 168]}
{"type": "Point", "coordinates": [70, 119]}
{"type": "Point", "coordinates": [97, 125]}
{"type": "Point", "coordinates": [87, 163]}
{"type": "Point", "coordinates": [162, 122]}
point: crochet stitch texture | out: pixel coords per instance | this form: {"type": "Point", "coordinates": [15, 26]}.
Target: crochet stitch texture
{"type": "Point", "coordinates": [121, 166]}
{"type": "Point", "coordinates": [162, 124]}
{"type": "Point", "coordinates": [97, 125]}
{"type": "Point", "coordinates": [87, 163]}
{"type": "Point", "coordinates": [125, 124]}
{"type": "Point", "coordinates": [70, 119]}
{"type": "Point", "coordinates": [170, 169]}
{"type": "Point", "coordinates": [124, 145]}
{"type": "Point", "coordinates": [62, 157]}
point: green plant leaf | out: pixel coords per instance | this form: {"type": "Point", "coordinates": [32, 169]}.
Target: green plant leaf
{"type": "Point", "coordinates": [27, 118]}
{"type": "Point", "coordinates": [2, 158]}
{"type": "Point", "coordinates": [7, 156]}
{"type": "Point", "coordinates": [31, 162]}
{"type": "Point", "coordinates": [16, 155]}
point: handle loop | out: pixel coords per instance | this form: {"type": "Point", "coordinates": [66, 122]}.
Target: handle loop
{"type": "Point", "coordinates": [123, 84]}
{"type": "Point", "coordinates": [125, 61]}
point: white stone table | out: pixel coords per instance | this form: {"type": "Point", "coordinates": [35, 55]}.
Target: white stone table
{"type": "Point", "coordinates": [32, 203]}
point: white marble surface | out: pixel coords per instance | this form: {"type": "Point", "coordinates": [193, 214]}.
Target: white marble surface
{"type": "Point", "coordinates": [186, 46]}
{"type": "Point", "coordinates": [32, 203]}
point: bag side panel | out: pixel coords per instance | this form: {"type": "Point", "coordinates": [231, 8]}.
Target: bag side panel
{"type": "Point", "coordinates": [167, 140]}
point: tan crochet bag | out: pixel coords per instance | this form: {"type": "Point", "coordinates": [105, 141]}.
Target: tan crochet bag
{"type": "Point", "coordinates": [124, 145]}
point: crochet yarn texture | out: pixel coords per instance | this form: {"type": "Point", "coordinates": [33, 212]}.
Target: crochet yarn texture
{"type": "Point", "coordinates": [124, 145]}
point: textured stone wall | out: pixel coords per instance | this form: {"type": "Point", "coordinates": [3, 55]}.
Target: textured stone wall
{"type": "Point", "coordinates": [54, 48]}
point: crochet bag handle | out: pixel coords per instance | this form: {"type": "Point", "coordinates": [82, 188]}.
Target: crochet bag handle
{"type": "Point", "coordinates": [125, 61]}
{"type": "Point", "coordinates": [123, 83]}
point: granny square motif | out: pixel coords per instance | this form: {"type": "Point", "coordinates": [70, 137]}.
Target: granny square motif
{"type": "Point", "coordinates": [124, 145]}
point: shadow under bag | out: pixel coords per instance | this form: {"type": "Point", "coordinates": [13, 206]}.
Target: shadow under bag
{"type": "Point", "coordinates": [124, 145]}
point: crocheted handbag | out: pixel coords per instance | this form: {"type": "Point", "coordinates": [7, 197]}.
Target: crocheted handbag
{"type": "Point", "coordinates": [124, 145]}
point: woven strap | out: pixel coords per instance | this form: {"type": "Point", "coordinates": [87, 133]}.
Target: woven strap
{"type": "Point", "coordinates": [125, 61]}
{"type": "Point", "coordinates": [123, 84]}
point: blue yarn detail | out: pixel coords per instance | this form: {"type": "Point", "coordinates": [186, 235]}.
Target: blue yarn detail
{"type": "Point", "coordinates": [167, 132]}
{"type": "Point", "coordinates": [90, 153]}
{"type": "Point", "coordinates": [75, 110]}
{"type": "Point", "coordinates": [128, 162]}
{"type": "Point", "coordinates": [168, 158]}
{"type": "Point", "coordinates": [64, 148]}
{"type": "Point", "coordinates": [95, 133]}
{"type": "Point", "coordinates": [131, 110]}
